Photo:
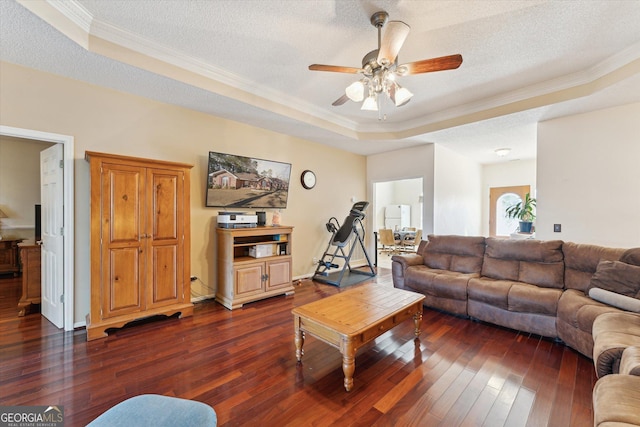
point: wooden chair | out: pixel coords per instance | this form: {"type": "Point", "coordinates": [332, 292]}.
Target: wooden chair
{"type": "Point", "coordinates": [388, 241]}
{"type": "Point", "coordinates": [412, 241]}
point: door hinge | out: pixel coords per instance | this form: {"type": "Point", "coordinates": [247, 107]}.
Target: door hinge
{"type": "Point", "coordinates": [62, 298]}
{"type": "Point", "coordinates": [62, 231]}
{"type": "Point", "coordinates": [61, 164]}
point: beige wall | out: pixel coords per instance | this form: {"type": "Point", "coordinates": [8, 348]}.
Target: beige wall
{"type": "Point", "coordinates": [19, 185]}
{"type": "Point", "coordinates": [109, 121]}
{"type": "Point", "coordinates": [589, 177]}
{"type": "Point", "coordinates": [413, 162]}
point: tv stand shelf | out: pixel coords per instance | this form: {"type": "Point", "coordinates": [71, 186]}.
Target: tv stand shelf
{"type": "Point", "coordinates": [243, 278]}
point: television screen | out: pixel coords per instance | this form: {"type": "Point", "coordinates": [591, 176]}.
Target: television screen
{"type": "Point", "coordinates": [245, 182]}
{"type": "Point", "coordinates": [38, 219]}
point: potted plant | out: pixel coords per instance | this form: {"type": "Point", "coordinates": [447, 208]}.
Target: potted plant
{"type": "Point", "coordinates": [524, 211]}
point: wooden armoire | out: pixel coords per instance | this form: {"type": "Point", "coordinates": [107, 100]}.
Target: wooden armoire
{"type": "Point", "coordinates": [140, 240]}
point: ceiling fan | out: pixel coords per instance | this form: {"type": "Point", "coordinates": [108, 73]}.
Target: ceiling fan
{"type": "Point", "coordinates": [380, 67]}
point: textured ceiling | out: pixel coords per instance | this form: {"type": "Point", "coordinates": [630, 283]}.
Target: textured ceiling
{"type": "Point", "coordinates": [246, 60]}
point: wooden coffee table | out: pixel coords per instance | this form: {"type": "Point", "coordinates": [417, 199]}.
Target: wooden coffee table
{"type": "Point", "coordinates": [352, 318]}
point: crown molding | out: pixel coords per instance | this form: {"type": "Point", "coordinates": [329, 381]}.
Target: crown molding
{"type": "Point", "coordinates": [552, 91]}
{"type": "Point", "coordinates": [75, 12]}
{"type": "Point", "coordinates": [91, 34]}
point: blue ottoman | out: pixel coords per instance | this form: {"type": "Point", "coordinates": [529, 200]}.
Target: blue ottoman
{"type": "Point", "coordinates": [157, 411]}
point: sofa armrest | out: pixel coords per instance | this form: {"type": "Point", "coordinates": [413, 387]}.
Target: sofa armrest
{"type": "Point", "coordinates": [630, 361]}
{"type": "Point", "coordinates": [408, 260]}
{"type": "Point", "coordinates": [399, 265]}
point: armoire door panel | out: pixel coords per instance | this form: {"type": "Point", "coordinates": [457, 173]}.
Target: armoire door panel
{"type": "Point", "coordinates": [123, 283]}
{"type": "Point", "coordinates": [122, 206]}
{"type": "Point", "coordinates": [167, 192]}
{"type": "Point", "coordinates": [164, 285]}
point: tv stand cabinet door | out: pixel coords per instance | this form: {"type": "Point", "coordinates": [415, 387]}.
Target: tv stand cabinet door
{"type": "Point", "coordinates": [249, 280]}
{"type": "Point", "coordinates": [279, 272]}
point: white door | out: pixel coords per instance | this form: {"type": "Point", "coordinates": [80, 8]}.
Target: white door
{"type": "Point", "coordinates": [51, 199]}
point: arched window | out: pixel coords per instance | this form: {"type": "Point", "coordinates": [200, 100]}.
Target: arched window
{"type": "Point", "coordinates": [500, 198]}
{"type": "Point", "coordinates": [505, 226]}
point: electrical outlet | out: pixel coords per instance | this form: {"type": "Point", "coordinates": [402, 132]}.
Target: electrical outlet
{"type": "Point", "coordinates": [557, 228]}
{"type": "Point", "coordinates": [315, 260]}
{"type": "Point", "coordinates": [194, 278]}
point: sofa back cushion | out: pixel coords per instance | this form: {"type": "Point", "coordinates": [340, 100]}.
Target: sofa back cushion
{"type": "Point", "coordinates": [462, 254]}
{"type": "Point", "coordinates": [536, 262]}
{"type": "Point", "coordinates": [581, 262]}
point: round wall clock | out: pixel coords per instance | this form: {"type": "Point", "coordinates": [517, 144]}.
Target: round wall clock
{"type": "Point", "coordinates": [308, 179]}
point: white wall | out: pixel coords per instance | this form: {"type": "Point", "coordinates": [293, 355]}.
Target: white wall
{"type": "Point", "coordinates": [399, 192]}
{"type": "Point", "coordinates": [589, 177]}
{"type": "Point", "coordinates": [414, 162]}
{"type": "Point", "coordinates": [506, 174]}
{"type": "Point", "coordinates": [457, 194]}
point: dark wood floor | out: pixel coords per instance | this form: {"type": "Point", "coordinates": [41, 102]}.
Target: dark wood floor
{"type": "Point", "coordinates": [242, 363]}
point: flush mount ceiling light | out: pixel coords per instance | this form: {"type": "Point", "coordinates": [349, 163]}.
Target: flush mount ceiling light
{"type": "Point", "coordinates": [380, 68]}
{"type": "Point", "coordinates": [502, 152]}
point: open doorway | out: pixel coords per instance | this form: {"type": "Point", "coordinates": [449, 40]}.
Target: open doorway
{"type": "Point", "coordinates": [67, 297]}
{"type": "Point", "coordinates": [20, 264]}
{"type": "Point", "coordinates": [407, 193]}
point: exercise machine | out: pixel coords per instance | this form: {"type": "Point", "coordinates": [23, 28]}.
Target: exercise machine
{"type": "Point", "coordinates": [349, 236]}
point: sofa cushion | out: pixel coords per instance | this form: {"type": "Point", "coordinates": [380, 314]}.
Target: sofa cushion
{"type": "Point", "coordinates": [490, 291]}
{"type": "Point", "coordinates": [631, 256]}
{"type": "Point", "coordinates": [525, 250]}
{"type": "Point", "coordinates": [514, 296]}
{"type": "Point", "coordinates": [580, 311]}
{"type": "Point", "coordinates": [618, 277]}
{"type": "Point", "coordinates": [530, 261]}
{"type": "Point", "coordinates": [581, 262]}
{"type": "Point", "coordinates": [616, 300]}
{"type": "Point", "coordinates": [525, 298]}
{"type": "Point", "coordinates": [616, 399]}
{"type": "Point", "coordinates": [462, 254]}
{"type": "Point", "coordinates": [440, 283]}
{"type": "Point", "coordinates": [500, 269]}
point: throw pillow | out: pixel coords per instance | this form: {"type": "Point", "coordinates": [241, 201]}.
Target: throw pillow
{"type": "Point", "coordinates": [615, 300]}
{"type": "Point", "coordinates": [618, 277]}
{"type": "Point", "coordinates": [631, 256]}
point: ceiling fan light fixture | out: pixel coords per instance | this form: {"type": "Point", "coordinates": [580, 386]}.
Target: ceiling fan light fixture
{"type": "Point", "coordinates": [355, 91]}
{"type": "Point", "coordinates": [402, 96]}
{"type": "Point", "coordinates": [370, 104]}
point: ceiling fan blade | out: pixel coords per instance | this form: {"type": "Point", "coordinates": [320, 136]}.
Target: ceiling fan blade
{"type": "Point", "coordinates": [340, 101]}
{"type": "Point", "coordinates": [442, 63]}
{"type": "Point", "coordinates": [334, 68]}
{"type": "Point", "coordinates": [395, 33]}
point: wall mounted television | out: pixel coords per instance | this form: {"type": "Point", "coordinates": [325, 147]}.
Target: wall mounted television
{"type": "Point", "coordinates": [238, 182]}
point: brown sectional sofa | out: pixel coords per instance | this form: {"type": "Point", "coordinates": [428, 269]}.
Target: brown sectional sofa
{"type": "Point", "coordinates": [529, 285]}
{"type": "Point", "coordinates": [543, 287]}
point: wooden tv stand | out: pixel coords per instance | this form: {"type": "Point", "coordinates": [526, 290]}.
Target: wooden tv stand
{"type": "Point", "coordinates": [243, 278]}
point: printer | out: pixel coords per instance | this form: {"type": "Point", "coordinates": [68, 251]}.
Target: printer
{"type": "Point", "coordinates": [236, 220]}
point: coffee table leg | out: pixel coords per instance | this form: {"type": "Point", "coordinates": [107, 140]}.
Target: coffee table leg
{"type": "Point", "coordinates": [417, 318]}
{"type": "Point", "coordinates": [299, 340]}
{"type": "Point", "coordinates": [348, 367]}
